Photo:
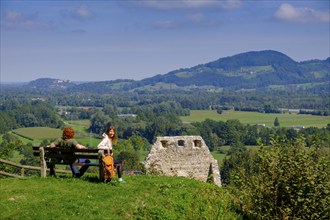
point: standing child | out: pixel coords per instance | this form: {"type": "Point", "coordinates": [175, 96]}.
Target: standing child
{"type": "Point", "coordinates": [110, 138]}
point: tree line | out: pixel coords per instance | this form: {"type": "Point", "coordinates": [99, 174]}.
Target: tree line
{"type": "Point", "coordinates": [149, 121]}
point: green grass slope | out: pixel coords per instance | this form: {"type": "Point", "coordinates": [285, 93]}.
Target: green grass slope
{"type": "Point", "coordinates": [39, 132]}
{"type": "Point", "coordinates": [142, 197]}
{"type": "Point", "coordinates": [252, 118]}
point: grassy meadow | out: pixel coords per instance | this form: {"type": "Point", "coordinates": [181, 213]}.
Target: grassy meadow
{"type": "Point", "coordinates": [79, 125]}
{"type": "Point", "coordinates": [252, 118]}
{"type": "Point", "coordinates": [37, 134]}
{"type": "Point", "coordinates": [141, 197]}
{"type": "Point", "coordinates": [219, 157]}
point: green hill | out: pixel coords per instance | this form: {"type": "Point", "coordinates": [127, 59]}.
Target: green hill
{"type": "Point", "coordinates": [142, 197]}
{"type": "Point", "coordinates": [256, 69]}
{"type": "Point", "coordinates": [249, 70]}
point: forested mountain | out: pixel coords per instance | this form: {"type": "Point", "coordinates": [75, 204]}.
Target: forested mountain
{"type": "Point", "coordinates": [250, 70]}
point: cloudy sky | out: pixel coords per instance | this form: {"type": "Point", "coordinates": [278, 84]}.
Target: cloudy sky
{"type": "Point", "coordinates": [124, 39]}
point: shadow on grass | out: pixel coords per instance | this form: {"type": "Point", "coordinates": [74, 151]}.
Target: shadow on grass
{"type": "Point", "coordinates": [88, 178]}
{"type": "Point", "coordinates": [94, 179]}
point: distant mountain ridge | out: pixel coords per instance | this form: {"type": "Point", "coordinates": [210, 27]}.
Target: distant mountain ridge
{"type": "Point", "coordinates": [48, 83]}
{"type": "Point", "coordinates": [263, 58]}
{"type": "Point", "coordinates": [250, 70]}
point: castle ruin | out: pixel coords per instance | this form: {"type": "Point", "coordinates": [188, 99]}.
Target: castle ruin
{"type": "Point", "coordinates": [186, 156]}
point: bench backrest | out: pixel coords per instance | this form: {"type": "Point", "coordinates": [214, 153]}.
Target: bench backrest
{"type": "Point", "coordinates": [68, 154]}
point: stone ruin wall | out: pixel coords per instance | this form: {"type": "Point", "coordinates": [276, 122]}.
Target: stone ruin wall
{"type": "Point", "coordinates": [186, 156]}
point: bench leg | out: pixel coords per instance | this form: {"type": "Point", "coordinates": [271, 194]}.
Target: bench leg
{"type": "Point", "coordinates": [101, 171]}
{"type": "Point", "coordinates": [42, 162]}
{"type": "Point", "coordinates": [52, 170]}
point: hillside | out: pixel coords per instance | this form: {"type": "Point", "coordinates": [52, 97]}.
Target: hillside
{"type": "Point", "coordinates": [250, 70]}
{"type": "Point", "coordinates": [142, 197]}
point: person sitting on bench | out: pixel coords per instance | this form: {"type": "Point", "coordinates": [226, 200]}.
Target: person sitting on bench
{"type": "Point", "coordinates": [67, 141]}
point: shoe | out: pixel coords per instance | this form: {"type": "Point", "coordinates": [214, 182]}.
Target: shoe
{"type": "Point", "coordinates": [122, 181]}
{"type": "Point", "coordinates": [77, 175]}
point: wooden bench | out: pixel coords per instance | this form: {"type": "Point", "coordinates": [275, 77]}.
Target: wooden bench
{"type": "Point", "coordinates": [66, 156]}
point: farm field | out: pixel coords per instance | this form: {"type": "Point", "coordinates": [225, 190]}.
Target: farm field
{"type": "Point", "coordinates": [78, 125]}
{"type": "Point", "coordinates": [37, 134]}
{"type": "Point", "coordinates": [252, 118]}
{"type": "Point", "coordinates": [220, 156]}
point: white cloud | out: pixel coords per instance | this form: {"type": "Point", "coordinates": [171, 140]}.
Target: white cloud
{"type": "Point", "coordinates": [165, 24]}
{"type": "Point", "coordinates": [191, 20]}
{"type": "Point", "coordinates": [287, 12]}
{"type": "Point", "coordinates": [194, 13]}
{"type": "Point", "coordinates": [17, 20]}
{"type": "Point", "coordinates": [188, 4]}
{"type": "Point", "coordinates": [79, 31]}
{"type": "Point", "coordinates": [14, 16]}
{"type": "Point", "coordinates": [200, 20]}
{"type": "Point", "coordinates": [83, 12]}
{"type": "Point", "coordinates": [196, 17]}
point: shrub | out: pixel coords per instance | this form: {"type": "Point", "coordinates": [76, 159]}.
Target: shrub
{"type": "Point", "coordinates": [131, 159]}
{"type": "Point", "coordinates": [289, 181]}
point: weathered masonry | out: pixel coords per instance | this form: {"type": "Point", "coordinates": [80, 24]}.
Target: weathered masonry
{"type": "Point", "coordinates": [186, 156]}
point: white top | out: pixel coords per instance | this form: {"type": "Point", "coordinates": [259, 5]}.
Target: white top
{"type": "Point", "coordinates": [105, 144]}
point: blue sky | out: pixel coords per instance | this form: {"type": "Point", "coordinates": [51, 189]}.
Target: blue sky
{"type": "Point", "coordinates": [108, 40]}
